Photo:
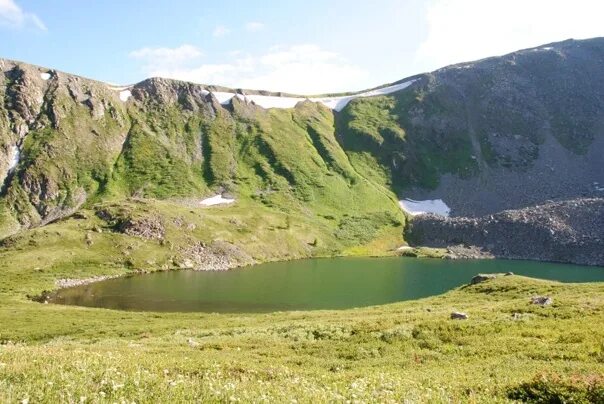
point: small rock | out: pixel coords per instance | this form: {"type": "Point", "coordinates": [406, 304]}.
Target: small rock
{"type": "Point", "coordinates": [79, 216]}
{"type": "Point", "coordinates": [542, 300]}
{"type": "Point", "coordinates": [481, 278]}
{"type": "Point", "coordinates": [192, 342]}
{"type": "Point", "coordinates": [456, 315]}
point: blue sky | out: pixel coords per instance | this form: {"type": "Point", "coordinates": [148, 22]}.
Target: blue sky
{"type": "Point", "coordinates": [297, 46]}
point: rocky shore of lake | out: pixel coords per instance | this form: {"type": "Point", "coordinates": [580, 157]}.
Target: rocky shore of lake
{"type": "Point", "coordinates": [570, 231]}
{"type": "Point", "coordinates": [72, 282]}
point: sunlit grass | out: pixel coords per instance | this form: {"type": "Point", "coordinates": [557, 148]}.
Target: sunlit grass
{"type": "Point", "coordinates": [410, 350]}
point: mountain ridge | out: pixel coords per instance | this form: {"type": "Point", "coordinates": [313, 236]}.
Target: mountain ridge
{"type": "Point", "coordinates": [209, 87]}
{"type": "Point", "coordinates": [219, 87]}
{"type": "Point", "coordinates": [478, 135]}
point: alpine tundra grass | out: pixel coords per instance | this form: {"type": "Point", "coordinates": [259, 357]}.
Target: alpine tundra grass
{"type": "Point", "coordinates": [507, 349]}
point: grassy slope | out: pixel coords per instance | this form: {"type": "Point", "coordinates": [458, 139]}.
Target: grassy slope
{"type": "Point", "coordinates": [382, 141]}
{"type": "Point", "coordinates": [409, 350]}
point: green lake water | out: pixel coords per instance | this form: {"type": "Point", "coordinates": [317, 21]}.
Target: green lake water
{"type": "Point", "coordinates": [330, 283]}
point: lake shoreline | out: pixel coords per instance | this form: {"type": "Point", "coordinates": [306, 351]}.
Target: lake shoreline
{"type": "Point", "coordinates": [306, 284]}
{"type": "Point", "coordinates": [457, 252]}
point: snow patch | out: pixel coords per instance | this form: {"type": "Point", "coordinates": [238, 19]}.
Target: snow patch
{"type": "Point", "coordinates": [14, 160]}
{"type": "Point", "coordinates": [436, 206]}
{"type": "Point", "coordinates": [44, 76]}
{"type": "Point", "coordinates": [216, 200]}
{"type": "Point", "coordinates": [125, 92]}
{"type": "Point", "coordinates": [124, 95]}
{"type": "Point", "coordinates": [338, 103]}
{"type": "Point", "coordinates": [271, 101]}
{"type": "Point", "coordinates": [223, 97]}
{"type": "Point", "coordinates": [335, 103]}
{"type": "Point", "coordinates": [118, 88]}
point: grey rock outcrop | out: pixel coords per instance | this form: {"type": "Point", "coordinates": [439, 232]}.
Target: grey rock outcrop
{"type": "Point", "coordinates": [570, 231]}
{"type": "Point", "coordinates": [542, 300]}
{"type": "Point", "coordinates": [456, 315]}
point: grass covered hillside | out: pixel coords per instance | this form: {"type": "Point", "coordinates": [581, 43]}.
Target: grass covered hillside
{"type": "Point", "coordinates": [135, 169]}
{"type": "Point", "coordinates": [507, 350]}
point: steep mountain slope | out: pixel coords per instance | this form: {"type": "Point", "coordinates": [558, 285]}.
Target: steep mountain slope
{"type": "Point", "coordinates": [78, 141]}
{"type": "Point", "coordinates": [499, 133]}
{"type": "Point", "coordinates": [316, 176]}
{"type": "Point", "coordinates": [137, 162]}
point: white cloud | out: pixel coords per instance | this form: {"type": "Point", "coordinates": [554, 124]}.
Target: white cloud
{"type": "Point", "coordinates": [301, 69]}
{"type": "Point", "coordinates": [254, 26]}
{"type": "Point", "coordinates": [464, 30]}
{"type": "Point", "coordinates": [220, 31]}
{"type": "Point", "coordinates": [11, 15]}
{"type": "Point", "coordinates": [183, 52]}
{"type": "Point", "coordinates": [163, 58]}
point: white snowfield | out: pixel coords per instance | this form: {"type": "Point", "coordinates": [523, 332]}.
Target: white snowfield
{"type": "Point", "coordinates": [273, 101]}
{"type": "Point", "coordinates": [414, 208]}
{"type": "Point", "coordinates": [216, 200]}
{"type": "Point", "coordinates": [335, 103]}
{"type": "Point", "coordinates": [338, 103]}
{"type": "Point", "coordinates": [124, 95]}
{"type": "Point", "coordinates": [125, 92]}
{"type": "Point", "coordinates": [117, 88]}
{"type": "Point", "coordinates": [14, 158]}
{"type": "Point", "coordinates": [44, 76]}
{"type": "Point", "coordinates": [223, 97]}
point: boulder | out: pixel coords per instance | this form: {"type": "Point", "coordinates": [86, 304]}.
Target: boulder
{"type": "Point", "coordinates": [481, 278]}
{"type": "Point", "coordinates": [542, 300]}
{"type": "Point", "coordinates": [456, 315]}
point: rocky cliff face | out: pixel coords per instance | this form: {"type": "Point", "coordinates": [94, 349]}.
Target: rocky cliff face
{"type": "Point", "coordinates": [67, 131]}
